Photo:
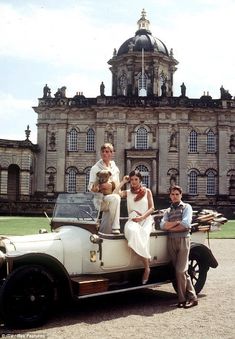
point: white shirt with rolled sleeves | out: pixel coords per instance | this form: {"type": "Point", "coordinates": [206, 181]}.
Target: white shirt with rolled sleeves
{"type": "Point", "coordinates": [111, 202]}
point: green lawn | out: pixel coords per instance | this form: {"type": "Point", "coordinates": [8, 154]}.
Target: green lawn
{"type": "Point", "coordinates": [22, 225]}
{"type": "Point", "coordinates": [31, 225]}
{"type": "Point", "coordinates": [227, 231]}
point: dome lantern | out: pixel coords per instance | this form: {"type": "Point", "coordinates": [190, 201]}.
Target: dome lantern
{"type": "Point", "coordinates": [142, 57]}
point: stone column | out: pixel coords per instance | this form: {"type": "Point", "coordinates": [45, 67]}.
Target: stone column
{"type": "Point", "coordinates": [61, 157]}
{"type": "Point", "coordinates": [154, 177]}
{"type": "Point", "coordinates": [155, 79]}
{"type": "Point", "coordinates": [41, 157]}
{"type": "Point", "coordinates": [163, 155]}
{"type": "Point", "coordinates": [119, 149]}
{"type": "Point", "coordinates": [128, 166]}
{"type": "Point", "coordinates": [222, 159]}
{"type": "Point", "coordinates": [183, 157]}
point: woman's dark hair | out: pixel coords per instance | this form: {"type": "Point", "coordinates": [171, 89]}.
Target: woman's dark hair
{"type": "Point", "coordinates": [136, 173]}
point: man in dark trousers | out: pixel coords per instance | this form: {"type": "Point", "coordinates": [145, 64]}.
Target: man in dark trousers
{"type": "Point", "coordinates": [177, 222]}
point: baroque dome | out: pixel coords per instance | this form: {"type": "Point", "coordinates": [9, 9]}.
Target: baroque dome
{"type": "Point", "coordinates": [143, 39]}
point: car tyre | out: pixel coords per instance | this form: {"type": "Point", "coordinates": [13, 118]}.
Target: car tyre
{"type": "Point", "coordinates": [197, 271]}
{"type": "Point", "coordinates": [26, 296]}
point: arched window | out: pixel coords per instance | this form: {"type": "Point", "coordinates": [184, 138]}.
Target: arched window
{"type": "Point", "coordinates": [71, 180]}
{"type": "Point", "coordinates": [211, 183]}
{"type": "Point", "coordinates": [141, 141]}
{"type": "Point", "coordinates": [192, 184]}
{"type": "Point", "coordinates": [142, 84]}
{"type": "Point", "coordinates": [211, 142]}
{"type": "Point", "coordinates": [73, 140]}
{"type": "Point", "coordinates": [145, 174]}
{"type": "Point", "coordinates": [87, 177]}
{"type": "Point", "coordinates": [90, 140]}
{"type": "Point", "coordinates": [193, 142]}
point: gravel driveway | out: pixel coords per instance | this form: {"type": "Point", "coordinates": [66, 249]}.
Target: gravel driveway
{"type": "Point", "coordinates": [151, 313]}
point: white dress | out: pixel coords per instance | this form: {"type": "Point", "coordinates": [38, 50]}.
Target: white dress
{"type": "Point", "coordinates": [138, 234]}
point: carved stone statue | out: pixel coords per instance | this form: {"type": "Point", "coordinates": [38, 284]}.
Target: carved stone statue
{"type": "Point", "coordinates": [46, 92]}
{"type": "Point", "coordinates": [183, 90]}
{"type": "Point", "coordinates": [163, 88]}
{"type": "Point", "coordinates": [224, 94]}
{"type": "Point", "coordinates": [173, 140]}
{"type": "Point", "coordinates": [61, 92]}
{"type": "Point", "coordinates": [102, 87]}
{"type": "Point", "coordinates": [52, 142]}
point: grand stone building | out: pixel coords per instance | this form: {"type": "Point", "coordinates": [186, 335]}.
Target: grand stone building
{"type": "Point", "coordinates": [170, 139]}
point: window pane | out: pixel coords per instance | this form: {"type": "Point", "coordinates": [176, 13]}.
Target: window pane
{"type": "Point", "coordinates": [145, 174]}
{"type": "Point", "coordinates": [71, 181]}
{"type": "Point", "coordinates": [211, 183]}
{"type": "Point", "coordinates": [193, 142]}
{"type": "Point", "coordinates": [90, 140]}
{"type": "Point", "coordinates": [141, 138]}
{"type": "Point", "coordinates": [211, 142]}
{"type": "Point", "coordinates": [192, 188]}
{"type": "Point", "coordinates": [73, 140]}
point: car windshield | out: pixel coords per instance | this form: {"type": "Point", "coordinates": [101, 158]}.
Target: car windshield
{"type": "Point", "coordinates": [84, 207]}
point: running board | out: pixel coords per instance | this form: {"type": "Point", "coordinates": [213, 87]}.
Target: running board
{"type": "Point", "coordinates": [86, 288]}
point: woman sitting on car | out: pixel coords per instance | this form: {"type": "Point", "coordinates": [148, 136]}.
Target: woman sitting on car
{"type": "Point", "coordinates": [139, 226]}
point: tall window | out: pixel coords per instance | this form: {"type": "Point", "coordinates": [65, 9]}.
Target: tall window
{"type": "Point", "coordinates": [142, 84]}
{"type": "Point", "coordinates": [145, 174]}
{"type": "Point", "coordinates": [193, 142]}
{"type": "Point", "coordinates": [90, 140]}
{"type": "Point", "coordinates": [87, 177]}
{"type": "Point", "coordinates": [211, 142]}
{"type": "Point", "coordinates": [73, 140]}
{"type": "Point", "coordinates": [141, 141]}
{"type": "Point", "coordinates": [71, 180]}
{"type": "Point", "coordinates": [192, 185]}
{"type": "Point", "coordinates": [211, 183]}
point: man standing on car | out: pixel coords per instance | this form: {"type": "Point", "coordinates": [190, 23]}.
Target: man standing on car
{"type": "Point", "coordinates": [110, 207]}
{"type": "Point", "coordinates": [177, 222]}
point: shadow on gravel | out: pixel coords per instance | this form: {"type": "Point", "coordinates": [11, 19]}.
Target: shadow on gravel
{"type": "Point", "coordinates": [144, 302]}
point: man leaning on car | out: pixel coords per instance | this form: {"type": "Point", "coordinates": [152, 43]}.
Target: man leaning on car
{"type": "Point", "coordinates": [177, 222]}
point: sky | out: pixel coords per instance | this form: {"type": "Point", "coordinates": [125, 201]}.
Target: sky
{"type": "Point", "coordinates": [68, 43]}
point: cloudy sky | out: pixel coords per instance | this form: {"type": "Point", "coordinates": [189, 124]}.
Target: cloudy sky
{"type": "Point", "coordinates": [68, 43]}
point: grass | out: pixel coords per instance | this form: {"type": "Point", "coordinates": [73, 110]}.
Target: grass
{"type": "Point", "coordinates": [22, 225]}
{"type": "Point", "coordinates": [227, 231]}
{"type": "Point", "coordinates": [31, 225]}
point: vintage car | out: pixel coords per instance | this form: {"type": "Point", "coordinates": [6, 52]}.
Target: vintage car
{"type": "Point", "coordinates": [76, 261]}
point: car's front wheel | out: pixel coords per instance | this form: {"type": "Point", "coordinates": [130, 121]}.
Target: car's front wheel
{"type": "Point", "coordinates": [197, 270]}
{"type": "Point", "coordinates": [27, 296]}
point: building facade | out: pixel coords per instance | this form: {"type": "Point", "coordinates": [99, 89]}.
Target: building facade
{"type": "Point", "coordinates": [190, 142]}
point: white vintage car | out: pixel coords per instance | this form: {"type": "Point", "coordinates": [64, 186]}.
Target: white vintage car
{"type": "Point", "coordinates": [76, 261]}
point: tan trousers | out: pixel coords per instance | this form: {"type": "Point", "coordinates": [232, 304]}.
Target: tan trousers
{"type": "Point", "coordinates": [111, 213]}
{"type": "Point", "coordinates": [179, 252]}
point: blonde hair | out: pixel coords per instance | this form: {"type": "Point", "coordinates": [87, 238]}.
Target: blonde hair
{"type": "Point", "coordinates": [107, 145]}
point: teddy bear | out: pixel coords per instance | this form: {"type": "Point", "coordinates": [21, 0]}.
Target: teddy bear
{"type": "Point", "coordinates": [103, 176]}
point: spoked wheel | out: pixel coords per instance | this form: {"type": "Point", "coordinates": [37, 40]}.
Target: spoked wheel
{"type": "Point", "coordinates": [197, 271]}
{"type": "Point", "coordinates": [27, 296]}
